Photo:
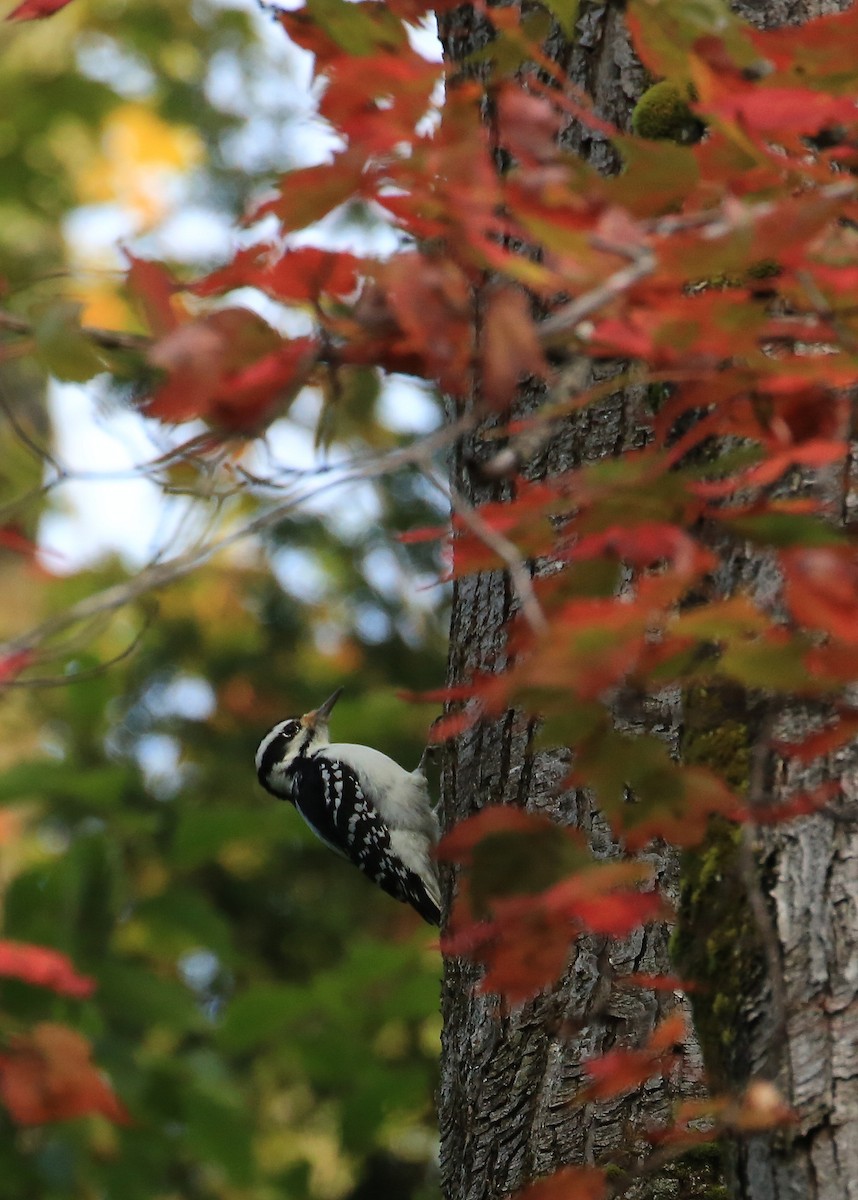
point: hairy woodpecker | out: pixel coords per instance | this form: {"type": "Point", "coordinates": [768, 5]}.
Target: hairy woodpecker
{"type": "Point", "coordinates": [359, 802]}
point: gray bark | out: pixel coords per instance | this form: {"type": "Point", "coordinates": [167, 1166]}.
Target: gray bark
{"type": "Point", "coordinates": [507, 1077]}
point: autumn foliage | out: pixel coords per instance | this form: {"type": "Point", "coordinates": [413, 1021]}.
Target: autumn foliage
{"type": "Point", "coordinates": [723, 275]}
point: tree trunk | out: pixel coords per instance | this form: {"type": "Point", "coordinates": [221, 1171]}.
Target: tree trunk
{"type": "Point", "coordinates": [507, 1076]}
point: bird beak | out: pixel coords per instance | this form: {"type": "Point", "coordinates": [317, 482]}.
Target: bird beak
{"type": "Point", "coordinates": [319, 716]}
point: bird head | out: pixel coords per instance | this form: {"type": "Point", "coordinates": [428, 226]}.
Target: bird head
{"type": "Point", "coordinates": [290, 740]}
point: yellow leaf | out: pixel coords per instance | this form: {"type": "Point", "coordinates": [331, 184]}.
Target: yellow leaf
{"type": "Point", "coordinates": [138, 162]}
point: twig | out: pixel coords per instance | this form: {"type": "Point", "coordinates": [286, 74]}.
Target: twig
{"type": "Point", "coordinates": [46, 681]}
{"type": "Point", "coordinates": [566, 318]}
{"type": "Point", "coordinates": [506, 551]}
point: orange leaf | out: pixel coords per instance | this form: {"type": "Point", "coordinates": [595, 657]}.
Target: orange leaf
{"type": "Point", "coordinates": [458, 845]}
{"type": "Point", "coordinates": [510, 350]}
{"type": "Point", "coordinates": [47, 1075]}
{"type": "Point", "coordinates": [44, 968]}
{"type": "Point", "coordinates": [570, 1183]}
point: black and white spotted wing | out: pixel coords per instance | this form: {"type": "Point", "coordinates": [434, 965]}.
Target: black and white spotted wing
{"type": "Point", "coordinates": [333, 804]}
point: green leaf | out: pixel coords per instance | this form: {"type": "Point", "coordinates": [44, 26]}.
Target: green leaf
{"type": "Point", "coordinates": [63, 348]}
{"type": "Point", "coordinates": [775, 666]}
{"type": "Point", "coordinates": [665, 32]}
{"type": "Point", "coordinates": [138, 999]}
{"type": "Point", "coordinates": [565, 12]}
{"type": "Point", "coordinates": [203, 833]}
{"type": "Point", "coordinates": [521, 863]}
{"type": "Point", "coordinates": [220, 1133]}
{"type": "Point", "coordinates": [180, 920]}
{"type": "Point", "coordinates": [259, 1013]}
{"type": "Point", "coordinates": [786, 529]}
{"type": "Point", "coordinates": [359, 31]}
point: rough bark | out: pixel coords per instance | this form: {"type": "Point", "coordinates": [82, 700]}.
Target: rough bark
{"type": "Point", "coordinates": [507, 1076]}
{"type": "Point", "coordinates": [777, 908]}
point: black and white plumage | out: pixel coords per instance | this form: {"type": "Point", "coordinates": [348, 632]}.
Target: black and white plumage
{"type": "Point", "coordinates": [359, 802]}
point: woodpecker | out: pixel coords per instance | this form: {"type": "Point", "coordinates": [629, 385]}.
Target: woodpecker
{"type": "Point", "coordinates": [359, 802]}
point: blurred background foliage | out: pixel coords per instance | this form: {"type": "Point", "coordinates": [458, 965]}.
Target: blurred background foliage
{"type": "Point", "coordinates": [268, 1017]}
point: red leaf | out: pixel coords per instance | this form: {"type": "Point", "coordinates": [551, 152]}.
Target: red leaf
{"type": "Point", "coordinates": [815, 745]}
{"type": "Point", "coordinates": [154, 287]}
{"type": "Point", "coordinates": [35, 10]}
{"type": "Point", "coordinates": [618, 913]}
{"type": "Point", "coordinates": [47, 1075]}
{"type": "Point", "coordinates": [13, 664]}
{"type": "Point", "coordinates": [43, 968]}
{"type": "Point", "coordinates": [310, 193]}
{"type": "Point", "coordinates": [298, 275]}
{"type": "Point", "coordinates": [11, 538]}
{"type": "Point", "coordinates": [430, 300]}
{"type": "Point", "coordinates": [777, 110]}
{"type": "Point", "coordinates": [570, 1183]}
{"type": "Point", "coordinates": [621, 1071]}
{"type": "Point", "coordinates": [510, 915]}
{"type": "Point", "coordinates": [822, 589]}
{"type": "Point", "coordinates": [458, 845]}
{"type": "Point", "coordinates": [657, 983]}
{"type": "Point", "coordinates": [230, 368]}
{"type": "Point", "coordinates": [528, 125]}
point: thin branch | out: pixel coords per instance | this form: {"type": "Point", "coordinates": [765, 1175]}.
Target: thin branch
{"type": "Point", "coordinates": [564, 319]}
{"type": "Point", "coordinates": [159, 574]}
{"type": "Point", "coordinates": [506, 551]}
{"type": "Point", "coordinates": [46, 681]}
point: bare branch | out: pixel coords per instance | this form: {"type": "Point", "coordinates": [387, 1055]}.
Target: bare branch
{"type": "Point", "coordinates": [159, 574]}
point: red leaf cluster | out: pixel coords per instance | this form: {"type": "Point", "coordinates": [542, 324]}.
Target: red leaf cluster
{"type": "Point", "coordinates": [518, 929]}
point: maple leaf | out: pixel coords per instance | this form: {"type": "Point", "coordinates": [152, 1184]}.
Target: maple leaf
{"type": "Point", "coordinates": [415, 316]}
{"type": "Point", "coordinates": [48, 1075]}
{"type": "Point", "coordinates": [44, 968]}
{"type": "Point", "coordinates": [302, 274]}
{"type": "Point", "coordinates": [36, 10]}
{"type": "Point", "coordinates": [532, 888]}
